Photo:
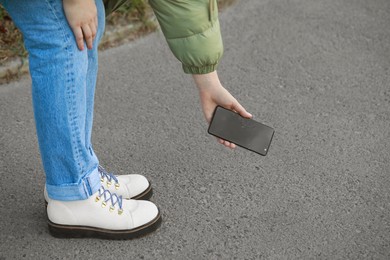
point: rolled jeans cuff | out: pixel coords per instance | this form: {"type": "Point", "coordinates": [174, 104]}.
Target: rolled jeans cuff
{"type": "Point", "coordinates": [89, 185]}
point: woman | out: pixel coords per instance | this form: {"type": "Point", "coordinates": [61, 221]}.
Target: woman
{"type": "Point", "coordinates": [62, 37]}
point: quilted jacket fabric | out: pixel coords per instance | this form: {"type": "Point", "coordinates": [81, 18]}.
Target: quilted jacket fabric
{"type": "Point", "coordinates": [191, 29]}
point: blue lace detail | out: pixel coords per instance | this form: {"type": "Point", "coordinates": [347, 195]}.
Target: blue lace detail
{"type": "Point", "coordinates": [112, 197]}
{"type": "Point", "coordinates": [107, 175]}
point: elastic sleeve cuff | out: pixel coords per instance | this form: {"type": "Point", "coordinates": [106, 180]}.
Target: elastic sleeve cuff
{"type": "Point", "coordinates": [199, 70]}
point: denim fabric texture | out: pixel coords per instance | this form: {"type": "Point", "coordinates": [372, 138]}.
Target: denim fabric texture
{"type": "Point", "coordinates": [63, 88]}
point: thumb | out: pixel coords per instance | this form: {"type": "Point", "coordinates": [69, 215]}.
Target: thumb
{"type": "Point", "coordinates": [241, 110]}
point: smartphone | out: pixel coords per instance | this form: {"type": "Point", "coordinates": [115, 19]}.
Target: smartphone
{"type": "Point", "coordinates": [244, 132]}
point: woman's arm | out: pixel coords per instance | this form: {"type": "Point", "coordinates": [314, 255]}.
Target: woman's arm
{"type": "Point", "coordinates": [192, 31]}
{"type": "Point", "coordinates": [212, 93]}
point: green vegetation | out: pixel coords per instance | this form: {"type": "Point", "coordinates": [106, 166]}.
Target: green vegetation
{"type": "Point", "coordinates": [11, 40]}
{"type": "Point", "coordinates": [130, 21]}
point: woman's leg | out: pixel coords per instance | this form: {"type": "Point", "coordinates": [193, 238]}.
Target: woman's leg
{"type": "Point", "coordinates": [63, 84]}
{"type": "Point", "coordinates": [64, 81]}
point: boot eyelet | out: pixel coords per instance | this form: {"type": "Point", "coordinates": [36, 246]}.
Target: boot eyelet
{"type": "Point", "coordinates": [117, 186]}
{"type": "Point", "coordinates": [101, 180]}
{"type": "Point", "coordinates": [109, 184]}
{"type": "Point", "coordinates": [120, 211]}
{"type": "Point", "coordinates": [104, 204]}
{"type": "Point", "coordinates": [112, 208]}
{"type": "Point", "coordinates": [97, 199]}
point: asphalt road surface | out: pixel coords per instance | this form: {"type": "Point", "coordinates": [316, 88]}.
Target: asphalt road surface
{"type": "Point", "coordinates": [317, 71]}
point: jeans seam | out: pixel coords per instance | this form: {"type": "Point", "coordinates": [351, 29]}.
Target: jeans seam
{"type": "Point", "coordinates": [70, 92]}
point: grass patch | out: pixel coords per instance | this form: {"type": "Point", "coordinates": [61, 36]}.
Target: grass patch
{"type": "Point", "coordinates": [130, 21]}
{"type": "Point", "coordinates": [11, 40]}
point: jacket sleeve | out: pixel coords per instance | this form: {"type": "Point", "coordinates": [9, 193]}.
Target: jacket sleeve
{"type": "Point", "coordinates": [191, 28]}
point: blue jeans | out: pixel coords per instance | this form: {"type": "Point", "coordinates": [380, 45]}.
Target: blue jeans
{"type": "Point", "coordinates": [63, 89]}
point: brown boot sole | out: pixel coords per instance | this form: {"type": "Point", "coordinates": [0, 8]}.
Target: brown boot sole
{"type": "Point", "coordinates": [66, 231]}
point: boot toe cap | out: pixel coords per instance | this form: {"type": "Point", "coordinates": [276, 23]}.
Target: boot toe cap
{"type": "Point", "coordinates": [145, 213]}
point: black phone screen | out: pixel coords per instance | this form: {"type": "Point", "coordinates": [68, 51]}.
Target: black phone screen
{"type": "Point", "coordinates": [241, 131]}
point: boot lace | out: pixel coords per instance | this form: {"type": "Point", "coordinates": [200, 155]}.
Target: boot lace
{"type": "Point", "coordinates": [109, 176]}
{"type": "Point", "coordinates": [112, 198]}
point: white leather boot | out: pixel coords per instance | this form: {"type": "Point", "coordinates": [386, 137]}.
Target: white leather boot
{"type": "Point", "coordinates": [103, 215]}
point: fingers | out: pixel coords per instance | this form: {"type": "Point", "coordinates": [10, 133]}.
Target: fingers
{"type": "Point", "coordinates": [78, 34]}
{"type": "Point", "coordinates": [226, 143]}
{"type": "Point", "coordinates": [85, 33]}
{"type": "Point", "coordinates": [241, 110]}
{"type": "Point", "coordinates": [94, 27]}
{"type": "Point", "coordinates": [88, 35]}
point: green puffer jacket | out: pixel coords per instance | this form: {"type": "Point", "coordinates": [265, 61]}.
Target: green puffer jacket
{"type": "Point", "coordinates": [191, 28]}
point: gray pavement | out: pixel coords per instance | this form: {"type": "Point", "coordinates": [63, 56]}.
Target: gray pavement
{"type": "Point", "coordinates": [317, 71]}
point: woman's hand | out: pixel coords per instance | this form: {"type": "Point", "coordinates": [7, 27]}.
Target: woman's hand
{"type": "Point", "coordinates": [82, 18]}
{"type": "Point", "coordinates": [212, 93]}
